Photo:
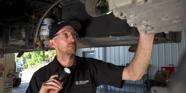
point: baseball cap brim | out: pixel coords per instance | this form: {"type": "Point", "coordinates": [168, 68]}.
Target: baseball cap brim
{"type": "Point", "coordinates": [75, 24]}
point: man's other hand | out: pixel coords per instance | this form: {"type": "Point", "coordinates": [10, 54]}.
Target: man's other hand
{"type": "Point", "coordinates": [52, 85]}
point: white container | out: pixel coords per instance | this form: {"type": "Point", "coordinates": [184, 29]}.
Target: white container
{"type": "Point", "coordinates": [45, 28]}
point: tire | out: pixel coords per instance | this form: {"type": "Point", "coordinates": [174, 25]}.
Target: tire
{"type": "Point", "coordinates": [16, 82]}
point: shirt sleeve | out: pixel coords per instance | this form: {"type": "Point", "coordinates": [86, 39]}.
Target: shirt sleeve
{"type": "Point", "coordinates": [107, 73]}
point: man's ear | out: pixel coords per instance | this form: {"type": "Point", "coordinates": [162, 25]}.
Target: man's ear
{"type": "Point", "coordinates": [51, 43]}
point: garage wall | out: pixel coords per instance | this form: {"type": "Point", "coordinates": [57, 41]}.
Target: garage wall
{"type": "Point", "coordinates": [7, 68]}
{"type": "Point", "coordinates": [99, 52]}
{"type": "Point", "coordinates": [163, 54]}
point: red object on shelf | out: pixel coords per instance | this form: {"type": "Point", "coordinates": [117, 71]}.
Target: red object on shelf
{"type": "Point", "coordinates": [170, 69]}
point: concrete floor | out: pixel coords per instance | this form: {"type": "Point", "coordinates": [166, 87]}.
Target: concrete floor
{"type": "Point", "coordinates": [21, 89]}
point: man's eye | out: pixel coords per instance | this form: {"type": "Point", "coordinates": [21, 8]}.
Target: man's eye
{"type": "Point", "coordinates": [65, 34]}
{"type": "Point", "coordinates": [75, 34]}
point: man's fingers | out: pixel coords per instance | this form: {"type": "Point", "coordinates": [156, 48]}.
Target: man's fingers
{"type": "Point", "coordinates": [50, 86]}
{"type": "Point", "coordinates": [53, 76]}
{"type": "Point", "coordinates": [53, 82]}
{"type": "Point", "coordinates": [56, 82]}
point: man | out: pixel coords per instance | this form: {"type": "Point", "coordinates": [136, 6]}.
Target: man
{"type": "Point", "coordinates": [85, 73]}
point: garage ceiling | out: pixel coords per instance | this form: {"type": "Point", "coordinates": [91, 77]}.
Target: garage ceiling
{"type": "Point", "coordinates": [19, 21]}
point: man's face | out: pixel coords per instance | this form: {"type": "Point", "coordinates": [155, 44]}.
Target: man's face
{"type": "Point", "coordinates": [65, 40]}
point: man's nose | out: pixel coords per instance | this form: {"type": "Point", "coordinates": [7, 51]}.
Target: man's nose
{"type": "Point", "coordinates": [72, 38]}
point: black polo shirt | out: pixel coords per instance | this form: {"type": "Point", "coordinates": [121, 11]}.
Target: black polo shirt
{"type": "Point", "coordinates": [85, 76]}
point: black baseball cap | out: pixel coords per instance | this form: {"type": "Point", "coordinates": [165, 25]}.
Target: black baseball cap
{"type": "Point", "coordinates": [73, 23]}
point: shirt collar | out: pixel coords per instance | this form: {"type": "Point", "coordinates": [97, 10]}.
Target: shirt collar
{"type": "Point", "coordinates": [55, 65]}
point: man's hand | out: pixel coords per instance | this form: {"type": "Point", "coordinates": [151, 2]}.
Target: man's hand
{"type": "Point", "coordinates": [51, 86]}
{"type": "Point", "coordinates": [146, 36]}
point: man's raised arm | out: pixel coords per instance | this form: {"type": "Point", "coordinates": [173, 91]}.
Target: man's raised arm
{"type": "Point", "coordinates": [141, 60]}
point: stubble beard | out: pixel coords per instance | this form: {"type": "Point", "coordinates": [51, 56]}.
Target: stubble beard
{"type": "Point", "coordinates": [71, 49]}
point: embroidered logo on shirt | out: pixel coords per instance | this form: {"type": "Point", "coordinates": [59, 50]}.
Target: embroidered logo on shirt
{"type": "Point", "coordinates": [82, 82]}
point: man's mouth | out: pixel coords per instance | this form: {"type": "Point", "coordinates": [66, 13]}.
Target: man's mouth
{"type": "Point", "coordinates": [72, 45]}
